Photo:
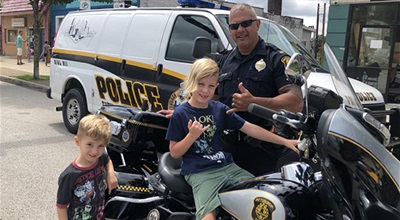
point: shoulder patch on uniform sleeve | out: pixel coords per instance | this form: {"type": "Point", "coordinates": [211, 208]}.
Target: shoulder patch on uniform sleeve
{"type": "Point", "coordinates": [285, 60]}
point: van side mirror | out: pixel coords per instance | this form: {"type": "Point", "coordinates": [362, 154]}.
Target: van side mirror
{"type": "Point", "coordinates": [201, 47]}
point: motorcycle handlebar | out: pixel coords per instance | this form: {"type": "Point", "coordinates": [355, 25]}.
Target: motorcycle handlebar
{"type": "Point", "coordinates": [283, 116]}
{"type": "Point", "coordinates": [261, 111]}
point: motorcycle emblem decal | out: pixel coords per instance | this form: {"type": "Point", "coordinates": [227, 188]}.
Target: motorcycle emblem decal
{"type": "Point", "coordinates": [262, 209]}
{"type": "Point", "coordinates": [260, 65]}
{"type": "Point", "coordinates": [125, 136]}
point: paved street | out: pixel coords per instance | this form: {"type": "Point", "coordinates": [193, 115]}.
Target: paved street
{"type": "Point", "coordinates": [34, 149]}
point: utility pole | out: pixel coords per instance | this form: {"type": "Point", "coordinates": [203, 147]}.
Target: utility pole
{"type": "Point", "coordinates": [316, 46]}
{"type": "Point", "coordinates": [319, 46]}
{"type": "Point", "coordinates": [323, 36]}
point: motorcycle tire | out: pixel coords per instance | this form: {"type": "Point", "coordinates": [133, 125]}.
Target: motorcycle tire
{"type": "Point", "coordinates": [74, 109]}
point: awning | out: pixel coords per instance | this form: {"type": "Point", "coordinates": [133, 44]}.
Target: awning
{"type": "Point", "coordinates": [15, 7]}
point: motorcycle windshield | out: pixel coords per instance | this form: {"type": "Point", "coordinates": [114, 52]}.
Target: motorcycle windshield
{"type": "Point", "coordinates": [340, 80]}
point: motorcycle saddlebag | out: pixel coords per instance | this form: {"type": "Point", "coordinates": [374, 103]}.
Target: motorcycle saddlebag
{"type": "Point", "coordinates": [135, 130]}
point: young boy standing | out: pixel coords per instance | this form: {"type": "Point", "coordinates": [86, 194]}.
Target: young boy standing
{"type": "Point", "coordinates": [194, 132]}
{"type": "Point", "coordinates": [29, 52]}
{"type": "Point", "coordinates": [82, 185]}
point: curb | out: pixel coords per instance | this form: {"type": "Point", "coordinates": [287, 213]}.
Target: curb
{"type": "Point", "coordinates": [31, 85]}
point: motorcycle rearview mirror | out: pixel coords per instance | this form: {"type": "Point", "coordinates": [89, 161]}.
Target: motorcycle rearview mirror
{"type": "Point", "coordinates": [296, 70]}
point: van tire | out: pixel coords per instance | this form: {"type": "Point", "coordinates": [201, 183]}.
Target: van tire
{"type": "Point", "coordinates": [74, 109]}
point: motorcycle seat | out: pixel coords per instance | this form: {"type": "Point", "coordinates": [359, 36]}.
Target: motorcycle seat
{"type": "Point", "coordinates": [169, 169]}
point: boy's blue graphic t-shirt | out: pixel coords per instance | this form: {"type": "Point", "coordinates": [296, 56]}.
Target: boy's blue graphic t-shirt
{"type": "Point", "coordinates": [207, 151]}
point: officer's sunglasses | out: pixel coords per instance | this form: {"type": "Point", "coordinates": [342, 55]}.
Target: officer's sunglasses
{"type": "Point", "coordinates": [244, 24]}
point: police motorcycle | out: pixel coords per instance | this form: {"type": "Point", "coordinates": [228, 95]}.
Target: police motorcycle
{"type": "Point", "coordinates": [357, 159]}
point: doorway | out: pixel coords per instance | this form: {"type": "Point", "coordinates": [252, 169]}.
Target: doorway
{"type": "Point", "coordinates": [373, 63]}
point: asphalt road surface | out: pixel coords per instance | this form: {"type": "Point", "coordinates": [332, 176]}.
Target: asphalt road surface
{"type": "Point", "coordinates": [35, 148]}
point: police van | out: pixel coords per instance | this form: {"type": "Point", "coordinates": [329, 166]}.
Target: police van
{"type": "Point", "coordinates": [138, 57]}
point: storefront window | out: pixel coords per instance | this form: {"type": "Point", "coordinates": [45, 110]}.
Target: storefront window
{"type": "Point", "coordinates": [383, 14]}
{"type": "Point", "coordinates": [11, 36]}
{"type": "Point", "coordinates": [370, 43]}
{"type": "Point", "coordinates": [370, 23]}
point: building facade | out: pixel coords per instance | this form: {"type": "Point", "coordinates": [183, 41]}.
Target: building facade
{"type": "Point", "coordinates": [365, 37]}
{"type": "Point", "coordinates": [17, 15]}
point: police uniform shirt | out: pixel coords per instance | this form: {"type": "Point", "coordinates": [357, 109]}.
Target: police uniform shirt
{"type": "Point", "coordinates": [262, 73]}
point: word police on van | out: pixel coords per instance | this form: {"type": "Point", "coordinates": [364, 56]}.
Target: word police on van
{"type": "Point", "coordinates": [138, 57]}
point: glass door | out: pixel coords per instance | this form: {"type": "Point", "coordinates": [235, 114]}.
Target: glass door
{"type": "Point", "coordinates": [374, 55]}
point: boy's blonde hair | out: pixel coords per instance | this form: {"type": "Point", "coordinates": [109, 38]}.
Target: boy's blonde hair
{"type": "Point", "coordinates": [95, 126]}
{"type": "Point", "coordinates": [201, 68]}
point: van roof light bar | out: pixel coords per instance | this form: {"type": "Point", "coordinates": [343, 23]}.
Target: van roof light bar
{"type": "Point", "coordinates": [201, 4]}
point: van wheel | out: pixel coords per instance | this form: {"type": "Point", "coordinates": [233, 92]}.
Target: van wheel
{"type": "Point", "coordinates": [74, 109]}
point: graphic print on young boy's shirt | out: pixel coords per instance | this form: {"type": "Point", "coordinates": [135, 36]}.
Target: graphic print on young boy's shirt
{"type": "Point", "coordinates": [203, 144]}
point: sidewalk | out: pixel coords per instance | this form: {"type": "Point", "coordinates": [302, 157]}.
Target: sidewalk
{"type": "Point", "coordinates": [9, 70]}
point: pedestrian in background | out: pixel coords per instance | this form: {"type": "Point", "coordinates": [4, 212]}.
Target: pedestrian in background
{"type": "Point", "coordinates": [29, 52]}
{"type": "Point", "coordinates": [45, 50]}
{"type": "Point", "coordinates": [19, 42]}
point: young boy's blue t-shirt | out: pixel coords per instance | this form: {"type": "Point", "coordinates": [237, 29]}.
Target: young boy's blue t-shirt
{"type": "Point", "coordinates": [207, 151]}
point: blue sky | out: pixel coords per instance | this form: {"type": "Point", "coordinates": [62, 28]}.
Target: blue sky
{"type": "Point", "coordinates": [305, 9]}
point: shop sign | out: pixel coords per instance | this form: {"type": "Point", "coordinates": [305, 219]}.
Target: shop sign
{"type": "Point", "coordinates": [17, 22]}
{"type": "Point", "coordinates": [84, 4]}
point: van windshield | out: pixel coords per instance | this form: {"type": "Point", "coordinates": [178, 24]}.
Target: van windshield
{"type": "Point", "coordinates": [277, 35]}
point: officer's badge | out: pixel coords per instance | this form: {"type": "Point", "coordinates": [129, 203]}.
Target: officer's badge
{"type": "Point", "coordinates": [260, 65]}
{"type": "Point", "coordinates": [262, 209]}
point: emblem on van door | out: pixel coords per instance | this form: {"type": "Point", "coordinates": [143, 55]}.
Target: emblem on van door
{"type": "Point", "coordinates": [262, 209]}
{"type": "Point", "coordinates": [79, 29]}
{"type": "Point", "coordinates": [177, 98]}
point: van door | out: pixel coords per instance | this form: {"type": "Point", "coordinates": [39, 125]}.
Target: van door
{"type": "Point", "coordinates": [139, 56]}
{"type": "Point", "coordinates": [74, 55]}
{"type": "Point", "coordinates": [175, 56]}
{"type": "Point", "coordinates": [108, 61]}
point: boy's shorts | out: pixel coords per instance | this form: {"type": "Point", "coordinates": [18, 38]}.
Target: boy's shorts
{"type": "Point", "coordinates": [207, 184]}
{"type": "Point", "coordinates": [19, 51]}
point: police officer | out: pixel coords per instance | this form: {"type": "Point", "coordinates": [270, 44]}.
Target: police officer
{"type": "Point", "coordinates": [253, 72]}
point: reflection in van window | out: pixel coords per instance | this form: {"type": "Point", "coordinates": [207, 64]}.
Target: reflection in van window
{"type": "Point", "coordinates": [282, 38]}
{"type": "Point", "coordinates": [186, 29]}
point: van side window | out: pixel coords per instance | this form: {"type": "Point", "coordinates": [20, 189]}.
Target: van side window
{"type": "Point", "coordinates": [186, 29]}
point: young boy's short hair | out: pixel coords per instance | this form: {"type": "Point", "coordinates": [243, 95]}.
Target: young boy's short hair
{"type": "Point", "coordinates": [95, 126]}
{"type": "Point", "coordinates": [201, 68]}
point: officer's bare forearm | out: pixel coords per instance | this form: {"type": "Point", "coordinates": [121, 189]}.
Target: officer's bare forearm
{"type": "Point", "coordinates": [287, 101]}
